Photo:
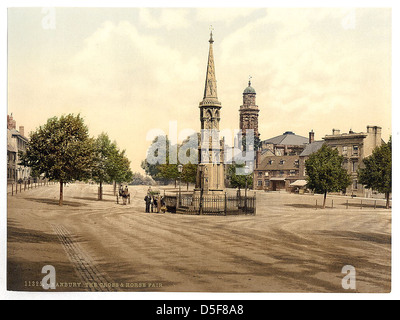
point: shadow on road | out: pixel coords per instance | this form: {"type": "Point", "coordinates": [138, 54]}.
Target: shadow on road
{"type": "Point", "coordinates": [55, 202]}
{"type": "Point", "coordinates": [15, 234]}
{"type": "Point", "coordinates": [92, 199]}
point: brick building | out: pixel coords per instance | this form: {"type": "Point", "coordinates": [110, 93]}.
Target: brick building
{"type": "Point", "coordinates": [354, 147]}
{"type": "Point", "coordinates": [16, 142]}
{"type": "Point", "coordinates": [279, 162]}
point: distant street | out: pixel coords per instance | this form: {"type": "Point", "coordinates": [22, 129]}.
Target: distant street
{"type": "Point", "coordinates": [289, 246]}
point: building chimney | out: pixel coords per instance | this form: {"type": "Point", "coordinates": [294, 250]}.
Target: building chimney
{"type": "Point", "coordinates": [22, 130]}
{"type": "Point", "coordinates": [311, 136]}
{"type": "Point", "coordinates": [376, 132]}
{"type": "Point", "coordinates": [335, 132]}
{"type": "Point", "coordinates": [11, 123]}
{"type": "Point", "coordinates": [258, 157]}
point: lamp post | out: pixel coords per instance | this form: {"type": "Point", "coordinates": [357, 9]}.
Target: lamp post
{"type": "Point", "coordinates": [246, 169]}
{"type": "Point", "coordinates": [180, 169]}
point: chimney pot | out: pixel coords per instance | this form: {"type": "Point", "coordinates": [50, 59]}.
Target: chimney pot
{"type": "Point", "coordinates": [311, 136]}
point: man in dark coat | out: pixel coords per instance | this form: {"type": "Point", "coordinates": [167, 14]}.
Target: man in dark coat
{"type": "Point", "coordinates": [147, 199]}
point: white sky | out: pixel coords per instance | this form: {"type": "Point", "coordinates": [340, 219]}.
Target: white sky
{"type": "Point", "coordinates": [131, 70]}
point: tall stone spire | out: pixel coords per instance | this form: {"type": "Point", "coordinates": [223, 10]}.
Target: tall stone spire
{"type": "Point", "coordinates": [210, 90]}
{"type": "Point", "coordinates": [210, 171]}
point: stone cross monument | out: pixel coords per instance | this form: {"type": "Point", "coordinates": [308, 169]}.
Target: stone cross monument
{"type": "Point", "coordinates": [211, 171]}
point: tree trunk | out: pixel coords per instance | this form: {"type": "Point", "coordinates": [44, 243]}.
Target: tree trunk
{"type": "Point", "coordinates": [187, 186]}
{"type": "Point", "coordinates": [387, 200]}
{"type": "Point", "coordinates": [101, 191]}
{"type": "Point", "coordinates": [323, 206]}
{"type": "Point", "coordinates": [115, 187]}
{"type": "Point", "coordinates": [60, 202]}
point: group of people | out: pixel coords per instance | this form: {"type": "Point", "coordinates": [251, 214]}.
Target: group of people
{"type": "Point", "coordinates": [154, 203]}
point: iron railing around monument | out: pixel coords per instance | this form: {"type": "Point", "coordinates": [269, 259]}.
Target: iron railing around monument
{"type": "Point", "coordinates": [211, 204]}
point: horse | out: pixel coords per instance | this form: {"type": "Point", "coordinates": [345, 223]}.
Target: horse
{"type": "Point", "coordinates": [125, 195]}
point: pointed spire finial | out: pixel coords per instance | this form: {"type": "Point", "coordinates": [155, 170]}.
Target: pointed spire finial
{"type": "Point", "coordinates": [211, 34]}
{"type": "Point", "coordinates": [250, 77]}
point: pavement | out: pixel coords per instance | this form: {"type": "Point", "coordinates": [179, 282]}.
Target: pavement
{"type": "Point", "coordinates": [290, 245]}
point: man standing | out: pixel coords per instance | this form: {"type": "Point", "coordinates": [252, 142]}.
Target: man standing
{"type": "Point", "coordinates": [147, 199]}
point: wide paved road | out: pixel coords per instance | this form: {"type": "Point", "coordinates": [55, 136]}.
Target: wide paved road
{"type": "Point", "coordinates": [289, 246]}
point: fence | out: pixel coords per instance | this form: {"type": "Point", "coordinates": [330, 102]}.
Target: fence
{"type": "Point", "coordinates": [211, 205]}
{"type": "Point", "coordinates": [26, 185]}
{"type": "Point", "coordinates": [352, 203]}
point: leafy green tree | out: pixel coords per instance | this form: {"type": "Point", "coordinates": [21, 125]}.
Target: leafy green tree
{"type": "Point", "coordinates": [138, 179]}
{"type": "Point", "coordinates": [189, 174]}
{"type": "Point", "coordinates": [376, 173]}
{"type": "Point", "coordinates": [154, 169]}
{"type": "Point", "coordinates": [119, 169]}
{"type": "Point", "coordinates": [103, 154]}
{"type": "Point", "coordinates": [61, 150]}
{"type": "Point", "coordinates": [325, 172]}
{"type": "Point", "coordinates": [238, 180]}
{"type": "Point", "coordinates": [168, 172]}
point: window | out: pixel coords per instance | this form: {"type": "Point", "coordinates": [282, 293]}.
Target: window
{"type": "Point", "coordinates": [293, 172]}
{"type": "Point", "coordinates": [297, 163]}
{"type": "Point", "coordinates": [355, 184]}
{"type": "Point", "coordinates": [355, 150]}
{"type": "Point", "coordinates": [266, 173]}
{"type": "Point", "coordinates": [266, 183]}
{"type": "Point", "coordinates": [281, 173]}
{"type": "Point", "coordinates": [344, 151]}
{"type": "Point", "coordinates": [260, 174]}
{"type": "Point", "coordinates": [355, 166]}
{"type": "Point", "coordinates": [282, 162]}
{"type": "Point", "coordinates": [270, 161]}
{"type": "Point", "coordinates": [260, 183]}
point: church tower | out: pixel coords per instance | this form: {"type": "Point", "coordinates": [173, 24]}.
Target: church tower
{"type": "Point", "coordinates": [249, 112]}
{"type": "Point", "coordinates": [210, 174]}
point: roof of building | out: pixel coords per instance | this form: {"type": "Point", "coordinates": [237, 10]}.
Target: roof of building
{"type": "Point", "coordinates": [249, 89]}
{"type": "Point", "coordinates": [15, 132]}
{"type": "Point", "coordinates": [311, 148]}
{"type": "Point", "coordinates": [279, 163]}
{"type": "Point", "coordinates": [288, 138]}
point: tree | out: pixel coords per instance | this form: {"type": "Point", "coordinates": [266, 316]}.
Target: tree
{"type": "Point", "coordinates": [119, 169]}
{"type": "Point", "coordinates": [238, 180]}
{"type": "Point", "coordinates": [153, 169]}
{"type": "Point", "coordinates": [138, 179]}
{"type": "Point", "coordinates": [376, 173]}
{"type": "Point", "coordinates": [189, 174]}
{"type": "Point", "coordinates": [168, 171]}
{"type": "Point", "coordinates": [61, 150]}
{"type": "Point", "coordinates": [326, 173]}
{"type": "Point", "coordinates": [102, 169]}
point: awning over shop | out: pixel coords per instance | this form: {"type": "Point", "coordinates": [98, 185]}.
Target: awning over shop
{"type": "Point", "coordinates": [299, 183]}
{"type": "Point", "coordinates": [277, 179]}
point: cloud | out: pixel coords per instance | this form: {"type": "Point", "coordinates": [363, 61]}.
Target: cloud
{"type": "Point", "coordinates": [128, 77]}
{"type": "Point", "coordinates": [226, 15]}
{"type": "Point", "coordinates": [304, 62]}
{"type": "Point", "coordinates": [169, 19]}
